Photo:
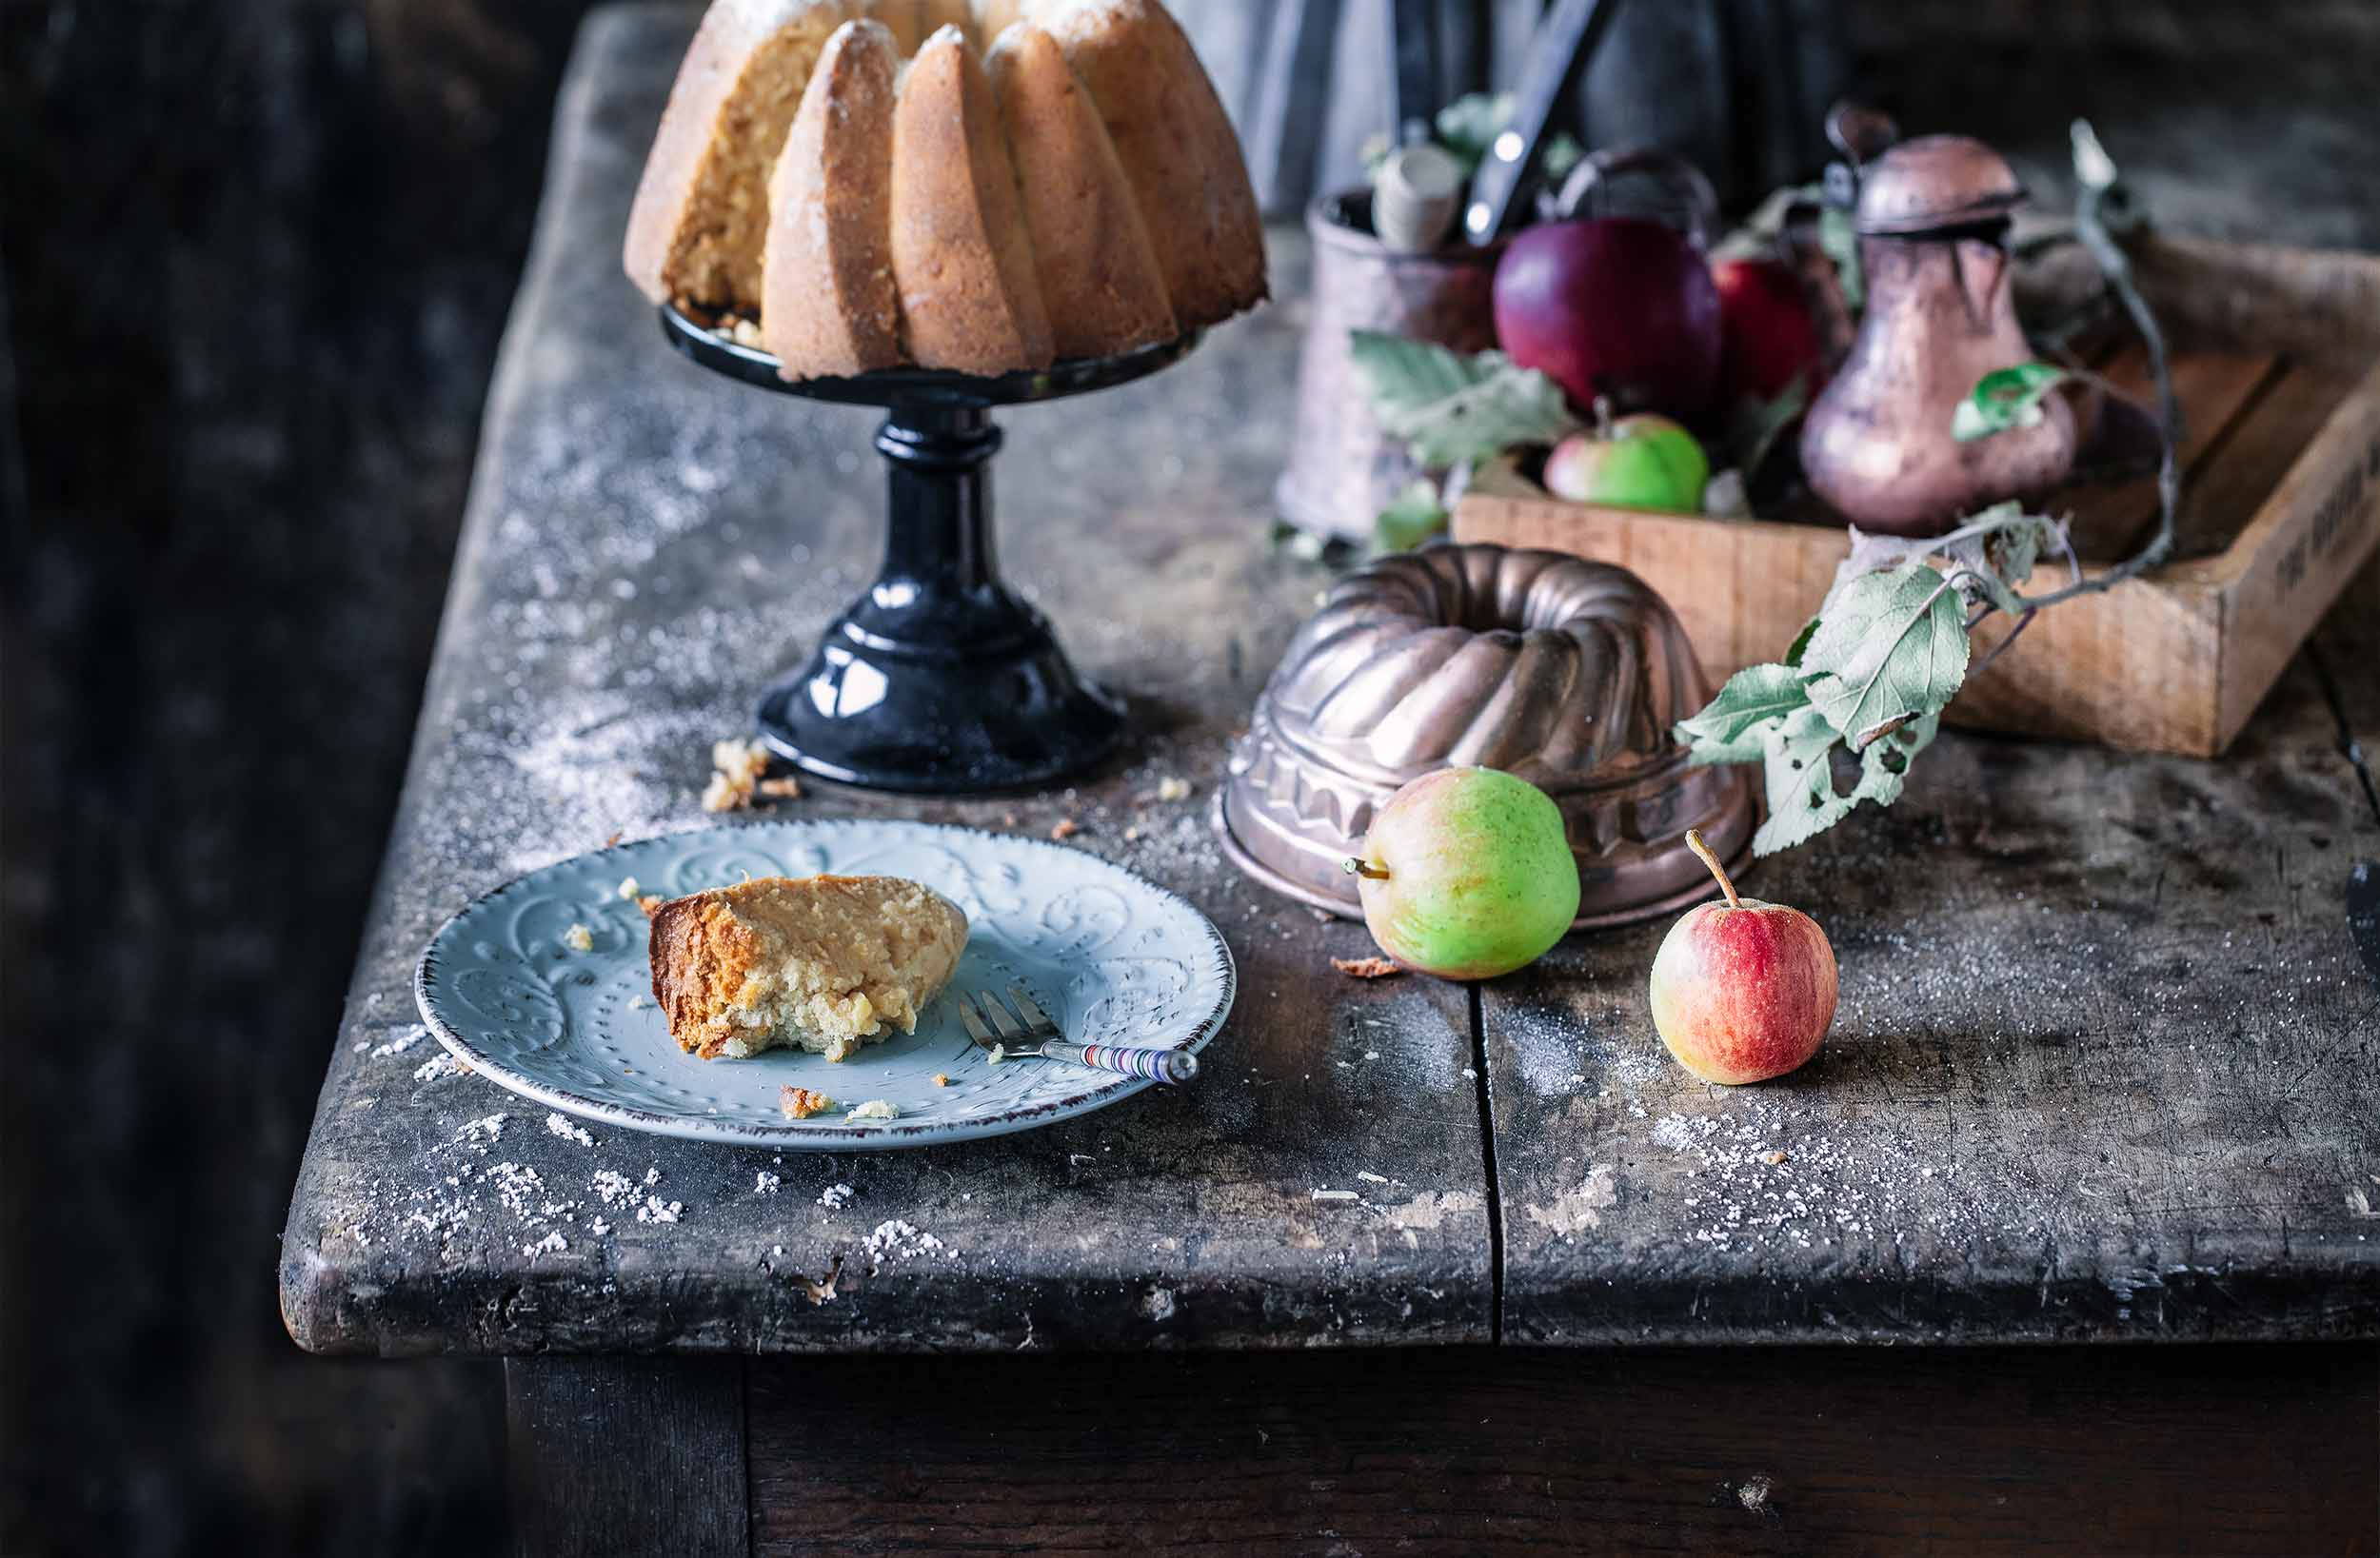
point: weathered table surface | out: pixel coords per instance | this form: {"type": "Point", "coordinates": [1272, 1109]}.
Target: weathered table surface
{"type": "Point", "coordinates": [2104, 1066]}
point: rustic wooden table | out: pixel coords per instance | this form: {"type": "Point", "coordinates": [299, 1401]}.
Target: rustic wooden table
{"type": "Point", "coordinates": [2104, 1071]}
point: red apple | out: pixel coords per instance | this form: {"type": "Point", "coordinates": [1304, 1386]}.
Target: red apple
{"type": "Point", "coordinates": [1771, 339]}
{"type": "Point", "coordinates": [1616, 307]}
{"type": "Point", "coordinates": [1742, 991]}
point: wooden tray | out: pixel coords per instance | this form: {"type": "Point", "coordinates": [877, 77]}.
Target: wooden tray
{"type": "Point", "coordinates": [2277, 365]}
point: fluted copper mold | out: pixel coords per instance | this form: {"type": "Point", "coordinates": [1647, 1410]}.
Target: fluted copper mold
{"type": "Point", "coordinates": [1565, 672]}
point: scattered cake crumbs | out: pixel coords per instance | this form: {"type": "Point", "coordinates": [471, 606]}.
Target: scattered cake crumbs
{"type": "Point", "coordinates": [1065, 828]}
{"type": "Point", "coordinates": [657, 1210]}
{"type": "Point", "coordinates": [1773, 1157]}
{"type": "Point", "coordinates": [834, 1195]}
{"type": "Point", "coordinates": [629, 889]}
{"type": "Point", "coordinates": [403, 1042]}
{"type": "Point", "coordinates": [940, 1080]}
{"type": "Point", "coordinates": [552, 1244]}
{"type": "Point", "coordinates": [739, 765]}
{"type": "Point", "coordinates": [786, 788]}
{"type": "Point", "coordinates": [567, 1131]}
{"type": "Point", "coordinates": [599, 1228]}
{"type": "Point", "coordinates": [1367, 968]}
{"type": "Point", "coordinates": [875, 1108]}
{"type": "Point", "coordinates": [579, 938]}
{"type": "Point", "coordinates": [1173, 787]}
{"type": "Point", "coordinates": [765, 1183]}
{"type": "Point", "coordinates": [481, 1132]}
{"type": "Point", "coordinates": [613, 1185]}
{"type": "Point", "coordinates": [799, 1103]}
{"type": "Point", "coordinates": [439, 1067]}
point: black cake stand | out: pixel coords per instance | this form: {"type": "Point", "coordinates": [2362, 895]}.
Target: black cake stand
{"type": "Point", "coordinates": [938, 680]}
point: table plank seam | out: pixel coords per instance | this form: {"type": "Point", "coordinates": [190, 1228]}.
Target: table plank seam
{"type": "Point", "coordinates": [1477, 1006]}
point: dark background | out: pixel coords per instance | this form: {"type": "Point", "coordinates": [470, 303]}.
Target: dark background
{"type": "Point", "coordinates": [255, 261]}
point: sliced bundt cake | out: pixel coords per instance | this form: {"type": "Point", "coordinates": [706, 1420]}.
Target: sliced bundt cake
{"type": "Point", "coordinates": [1084, 197]}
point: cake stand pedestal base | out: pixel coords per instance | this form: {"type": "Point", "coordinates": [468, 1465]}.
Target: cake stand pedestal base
{"type": "Point", "coordinates": [939, 679]}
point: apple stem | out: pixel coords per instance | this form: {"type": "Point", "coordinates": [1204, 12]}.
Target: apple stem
{"type": "Point", "coordinates": [1693, 841]}
{"type": "Point", "coordinates": [1363, 867]}
{"type": "Point", "coordinates": [1603, 418]}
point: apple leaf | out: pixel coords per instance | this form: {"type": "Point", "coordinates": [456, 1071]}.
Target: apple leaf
{"type": "Point", "coordinates": [1800, 646]}
{"type": "Point", "coordinates": [1731, 728]}
{"type": "Point", "coordinates": [1890, 646]}
{"type": "Point", "coordinates": [1799, 761]}
{"type": "Point", "coordinates": [1452, 409]}
{"type": "Point", "coordinates": [2005, 398]}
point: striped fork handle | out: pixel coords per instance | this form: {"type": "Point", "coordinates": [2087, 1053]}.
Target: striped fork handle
{"type": "Point", "coordinates": [1172, 1067]}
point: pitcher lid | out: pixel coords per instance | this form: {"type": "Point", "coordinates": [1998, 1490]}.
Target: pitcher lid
{"type": "Point", "coordinates": [1935, 182]}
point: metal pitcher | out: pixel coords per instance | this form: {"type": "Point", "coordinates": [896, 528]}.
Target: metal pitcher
{"type": "Point", "coordinates": [1932, 217]}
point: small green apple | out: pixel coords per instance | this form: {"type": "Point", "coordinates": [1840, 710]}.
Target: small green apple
{"type": "Point", "coordinates": [1467, 874]}
{"type": "Point", "coordinates": [1638, 461]}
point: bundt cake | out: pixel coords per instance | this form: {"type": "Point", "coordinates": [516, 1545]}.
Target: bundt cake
{"type": "Point", "coordinates": [824, 963]}
{"type": "Point", "coordinates": [982, 186]}
{"type": "Point", "coordinates": [1566, 672]}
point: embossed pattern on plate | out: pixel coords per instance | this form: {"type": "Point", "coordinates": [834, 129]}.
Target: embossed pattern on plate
{"type": "Point", "coordinates": [1115, 958]}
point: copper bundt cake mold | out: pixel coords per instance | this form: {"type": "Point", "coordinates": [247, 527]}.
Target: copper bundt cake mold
{"type": "Point", "coordinates": [1565, 672]}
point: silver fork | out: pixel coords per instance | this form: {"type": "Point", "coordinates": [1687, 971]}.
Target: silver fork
{"type": "Point", "coordinates": [1027, 1031]}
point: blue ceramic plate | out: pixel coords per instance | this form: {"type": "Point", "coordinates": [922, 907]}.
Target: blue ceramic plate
{"type": "Point", "coordinates": [1114, 958]}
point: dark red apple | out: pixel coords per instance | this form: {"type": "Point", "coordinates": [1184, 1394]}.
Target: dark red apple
{"type": "Point", "coordinates": [1621, 307]}
{"type": "Point", "coordinates": [1770, 339]}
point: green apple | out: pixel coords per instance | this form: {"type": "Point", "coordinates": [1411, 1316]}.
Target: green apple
{"type": "Point", "coordinates": [1638, 461]}
{"type": "Point", "coordinates": [1467, 874]}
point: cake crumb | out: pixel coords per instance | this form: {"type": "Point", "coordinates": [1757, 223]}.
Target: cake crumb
{"type": "Point", "coordinates": [997, 1054]}
{"type": "Point", "coordinates": [579, 938]}
{"type": "Point", "coordinates": [657, 1210]}
{"type": "Point", "coordinates": [1065, 828]}
{"type": "Point", "coordinates": [765, 1183]}
{"type": "Point", "coordinates": [875, 1108]}
{"type": "Point", "coordinates": [443, 1065]}
{"type": "Point", "coordinates": [1173, 787]}
{"type": "Point", "coordinates": [1336, 1195]}
{"type": "Point", "coordinates": [650, 903]}
{"type": "Point", "coordinates": [739, 765]}
{"type": "Point", "coordinates": [567, 1131]}
{"type": "Point", "coordinates": [617, 833]}
{"type": "Point", "coordinates": [552, 1244]}
{"type": "Point", "coordinates": [599, 1228]}
{"type": "Point", "coordinates": [1367, 968]}
{"type": "Point", "coordinates": [787, 788]}
{"type": "Point", "coordinates": [1754, 1494]}
{"type": "Point", "coordinates": [1771, 1157]}
{"type": "Point", "coordinates": [799, 1103]}
{"type": "Point", "coordinates": [834, 1195]}
{"type": "Point", "coordinates": [629, 889]}
{"type": "Point", "coordinates": [741, 331]}
{"type": "Point", "coordinates": [940, 1080]}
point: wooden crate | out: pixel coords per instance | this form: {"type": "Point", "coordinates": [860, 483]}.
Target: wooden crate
{"type": "Point", "coordinates": [2277, 365]}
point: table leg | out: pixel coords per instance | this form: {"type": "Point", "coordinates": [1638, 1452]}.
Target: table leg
{"type": "Point", "coordinates": [627, 1455]}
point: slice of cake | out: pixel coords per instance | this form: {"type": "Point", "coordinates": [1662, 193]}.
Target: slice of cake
{"type": "Point", "coordinates": [821, 963]}
{"type": "Point", "coordinates": [961, 256]}
{"type": "Point", "coordinates": [826, 282]}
